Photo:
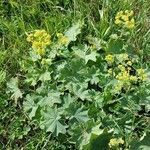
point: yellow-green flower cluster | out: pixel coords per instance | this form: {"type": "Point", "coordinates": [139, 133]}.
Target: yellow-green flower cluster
{"type": "Point", "coordinates": [118, 87]}
{"type": "Point", "coordinates": [110, 71]}
{"type": "Point", "coordinates": [122, 57]}
{"type": "Point", "coordinates": [45, 61]}
{"type": "Point", "coordinates": [121, 71]}
{"type": "Point", "coordinates": [114, 143]}
{"type": "Point", "coordinates": [123, 75]}
{"type": "Point", "coordinates": [40, 39]}
{"type": "Point", "coordinates": [62, 39]}
{"type": "Point", "coordinates": [109, 58]}
{"type": "Point", "coordinates": [142, 74]}
{"type": "Point", "coordinates": [124, 78]}
{"type": "Point", "coordinates": [125, 18]}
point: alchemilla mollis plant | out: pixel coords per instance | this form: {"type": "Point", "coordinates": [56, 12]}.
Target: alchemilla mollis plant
{"type": "Point", "coordinates": [90, 94]}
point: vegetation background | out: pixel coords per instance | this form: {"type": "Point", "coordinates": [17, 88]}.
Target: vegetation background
{"type": "Point", "coordinates": [17, 17]}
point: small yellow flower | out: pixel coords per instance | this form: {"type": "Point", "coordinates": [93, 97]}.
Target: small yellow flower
{"type": "Point", "coordinates": [118, 17]}
{"type": "Point", "coordinates": [37, 33]}
{"type": "Point", "coordinates": [118, 21]}
{"type": "Point", "coordinates": [59, 35]}
{"type": "Point", "coordinates": [62, 39]}
{"type": "Point", "coordinates": [124, 18]}
{"type": "Point", "coordinates": [47, 42]}
{"type": "Point", "coordinates": [129, 63]}
{"type": "Point", "coordinates": [126, 75]}
{"type": "Point", "coordinates": [123, 57]}
{"type": "Point", "coordinates": [129, 13]}
{"type": "Point", "coordinates": [110, 71]}
{"type": "Point", "coordinates": [118, 87]}
{"type": "Point", "coordinates": [140, 71]}
{"type": "Point", "coordinates": [133, 78]}
{"type": "Point", "coordinates": [129, 68]}
{"type": "Point", "coordinates": [126, 11]}
{"type": "Point", "coordinates": [121, 67]}
{"type": "Point", "coordinates": [119, 76]}
{"type": "Point", "coordinates": [45, 61]}
{"type": "Point", "coordinates": [109, 58]}
{"type": "Point", "coordinates": [120, 141]}
{"type": "Point", "coordinates": [115, 142]}
{"type": "Point", "coordinates": [36, 45]}
{"type": "Point", "coordinates": [30, 37]}
{"type": "Point", "coordinates": [120, 13]}
{"type": "Point", "coordinates": [142, 75]}
{"type": "Point", "coordinates": [123, 76]}
{"type": "Point", "coordinates": [130, 24]}
{"type": "Point", "coordinates": [40, 52]}
{"type": "Point", "coordinates": [40, 39]}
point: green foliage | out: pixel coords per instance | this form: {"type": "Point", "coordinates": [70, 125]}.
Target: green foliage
{"type": "Point", "coordinates": [85, 54]}
{"type": "Point", "coordinates": [51, 122]}
{"type": "Point", "coordinates": [88, 87]}
{"type": "Point", "coordinates": [115, 46]}
{"type": "Point", "coordinates": [98, 141]}
{"type": "Point", "coordinates": [30, 105]}
{"type": "Point", "coordinates": [143, 144]}
{"type": "Point", "coordinates": [77, 88]}
{"type": "Point", "coordinates": [13, 88]}
{"type": "Point", "coordinates": [73, 32]}
{"type": "Point", "coordinates": [2, 76]}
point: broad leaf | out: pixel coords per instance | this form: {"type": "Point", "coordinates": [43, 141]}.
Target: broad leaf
{"type": "Point", "coordinates": [80, 132]}
{"type": "Point", "coordinates": [68, 99]}
{"type": "Point", "coordinates": [51, 122]}
{"type": "Point", "coordinates": [85, 54]}
{"type": "Point", "coordinates": [13, 88]}
{"type": "Point", "coordinates": [70, 72]}
{"type": "Point", "coordinates": [115, 46]}
{"type": "Point", "coordinates": [45, 76]}
{"type": "Point", "coordinates": [77, 112]}
{"type": "Point", "coordinates": [91, 56]}
{"type": "Point", "coordinates": [81, 115]}
{"type": "Point", "coordinates": [52, 98]}
{"type": "Point", "coordinates": [72, 32]}
{"type": "Point", "coordinates": [90, 137]}
{"type": "Point", "coordinates": [30, 105]}
{"type": "Point", "coordinates": [81, 92]}
{"type": "Point", "coordinates": [98, 141]}
{"type": "Point", "coordinates": [95, 42]}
